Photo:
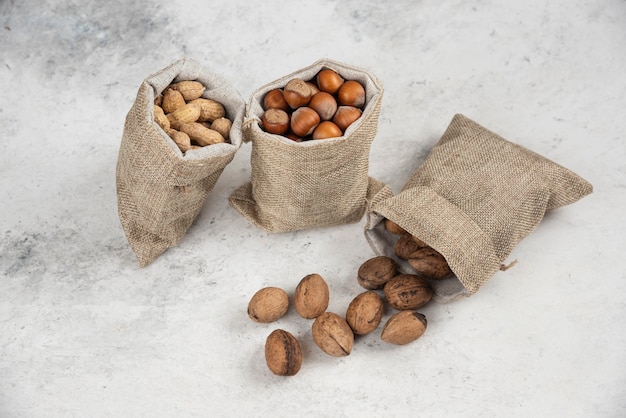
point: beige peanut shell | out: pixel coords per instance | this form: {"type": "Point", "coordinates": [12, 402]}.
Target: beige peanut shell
{"type": "Point", "coordinates": [223, 126]}
{"type": "Point", "coordinates": [209, 109]}
{"type": "Point", "coordinates": [186, 114]}
{"type": "Point", "coordinates": [201, 135]}
{"type": "Point", "coordinates": [160, 118]}
{"type": "Point", "coordinates": [189, 89]}
{"type": "Point", "coordinates": [172, 100]}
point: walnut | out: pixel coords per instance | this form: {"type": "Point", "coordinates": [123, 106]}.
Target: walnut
{"type": "Point", "coordinates": [375, 272]}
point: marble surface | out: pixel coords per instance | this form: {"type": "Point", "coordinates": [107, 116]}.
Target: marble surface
{"type": "Point", "coordinates": [84, 332]}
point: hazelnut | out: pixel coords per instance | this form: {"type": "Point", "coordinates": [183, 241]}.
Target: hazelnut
{"type": "Point", "coordinates": [313, 87]}
{"type": "Point", "coordinates": [429, 263]}
{"type": "Point", "coordinates": [365, 312]}
{"type": "Point", "coordinates": [329, 81]}
{"type": "Point", "coordinates": [275, 121]}
{"type": "Point", "coordinates": [312, 296]}
{"type": "Point", "coordinates": [375, 272]}
{"type": "Point", "coordinates": [268, 304]}
{"type": "Point", "coordinates": [332, 334]}
{"type": "Point", "coordinates": [404, 327]}
{"type": "Point", "coordinates": [304, 120]}
{"type": "Point", "coordinates": [274, 99]}
{"type": "Point", "coordinates": [324, 104]}
{"type": "Point", "coordinates": [351, 93]}
{"type": "Point", "coordinates": [282, 353]}
{"type": "Point", "coordinates": [297, 93]}
{"type": "Point", "coordinates": [408, 292]}
{"type": "Point", "coordinates": [327, 129]}
{"type": "Point", "coordinates": [346, 116]}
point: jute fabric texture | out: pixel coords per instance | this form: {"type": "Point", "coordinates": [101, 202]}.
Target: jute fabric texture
{"type": "Point", "coordinates": [296, 186]}
{"type": "Point", "coordinates": [475, 197]}
{"type": "Point", "coordinates": [160, 191]}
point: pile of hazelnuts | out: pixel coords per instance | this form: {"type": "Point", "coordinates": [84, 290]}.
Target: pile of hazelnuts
{"type": "Point", "coordinates": [320, 108]}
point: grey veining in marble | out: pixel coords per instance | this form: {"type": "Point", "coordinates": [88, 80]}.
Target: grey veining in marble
{"type": "Point", "coordinates": [84, 332]}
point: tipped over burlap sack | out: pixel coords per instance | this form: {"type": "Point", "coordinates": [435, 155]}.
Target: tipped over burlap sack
{"type": "Point", "coordinates": [475, 197]}
{"type": "Point", "coordinates": [302, 185]}
{"type": "Point", "coordinates": [160, 190]}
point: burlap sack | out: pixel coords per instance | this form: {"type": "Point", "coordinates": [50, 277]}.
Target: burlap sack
{"type": "Point", "coordinates": [297, 186]}
{"type": "Point", "coordinates": [474, 199]}
{"type": "Point", "coordinates": [160, 191]}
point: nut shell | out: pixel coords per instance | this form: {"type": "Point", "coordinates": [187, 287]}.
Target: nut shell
{"type": "Point", "coordinates": [172, 100]}
{"type": "Point", "coordinates": [393, 227]}
{"type": "Point", "coordinates": [404, 327]}
{"type": "Point", "coordinates": [311, 296]}
{"type": "Point", "coordinates": [365, 312]}
{"type": "Point", "coordinates": [333, 335]}
{"type": "Point", "coordinates": [329, 80]}
{"type": "Point", "coordinates": [351, 93]}
{"type": "Point", "coordinates": [429, 263]}
{"type": "Point", "coordinates": [304, 120]}
{"type": "Point", "coordinates": [375, 272]}
{"type": "Point", "coordinates": [275, 121]}
{"type": "Point", "coordinates": [209, 109]}
{"type": "Point", "coordinates": [324, 104]}
{"type": "Point", "coordinates": [268, 304]}
{"type": "Point", "coordinates": [274, 99]}
{"type": "Point", "coordinates": [202, 135]}
{"type": "Point", "coordinates": [223, 126]}
{"type": "Point", "coordinates": [297, 93]}
{"type": "Point", "coordinates": [283, 355]}
{"type": "Point", "coordinates": [406, 246]}
{"type": "Point", "coordinates": [327, 129]}
{"type": "Point", "coordinates": [408, 292]}
{"type": "Point", "coordinates": [189, 89]}
{"type": "Point", "coordinates": [346, 116]}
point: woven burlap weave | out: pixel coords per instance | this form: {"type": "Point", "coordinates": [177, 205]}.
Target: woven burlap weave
{"type": "Point", "coordinates": [475, 197]}
{"type": "Point", "coordinates": [160, 191]}
{"type": "Point", "coordinates": [297, 186]}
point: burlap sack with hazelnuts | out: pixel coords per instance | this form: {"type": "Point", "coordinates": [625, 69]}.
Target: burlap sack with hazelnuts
{"type": "Point", "coordinates": [317, 183]}
{"type": "Point", "coordinates": [475, 197]}
{"type": "Point", "coordinates": [160, 191]}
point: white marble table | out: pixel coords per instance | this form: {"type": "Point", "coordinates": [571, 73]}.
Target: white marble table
{"type": "Point", "coordinates": [84, 332]}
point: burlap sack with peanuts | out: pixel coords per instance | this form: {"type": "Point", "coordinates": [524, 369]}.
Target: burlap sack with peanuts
{"type": "Point", "coordinates": [160, 191]}
{"type": "Point", "coordinates": [475, 197]}
{"type": "Point", "coordinates": [295, 186]}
